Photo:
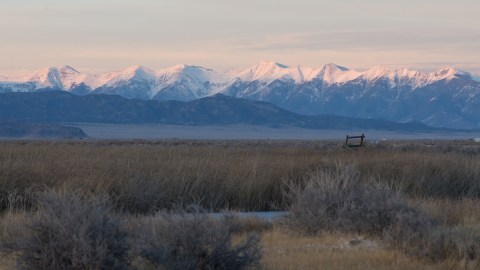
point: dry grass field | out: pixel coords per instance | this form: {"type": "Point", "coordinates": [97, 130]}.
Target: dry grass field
{"type": "Point", "coordinates": [430, 189]}
{"type": "Point", "coordinates": [284, 250]}
{"type": "Point", "coordinates": [240, 175]}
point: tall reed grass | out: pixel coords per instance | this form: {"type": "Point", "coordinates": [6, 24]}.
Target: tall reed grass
{"type": "Point", "coordinates": [143, 177]}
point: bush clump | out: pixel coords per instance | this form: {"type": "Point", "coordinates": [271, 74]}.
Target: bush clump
{"type": "Point", "coordinates": [73, 231]}
{"type": "Point", "coordinates": [193, 240]}
{"type": "Point", "coordinates": [336, 200]}
{"type": "Point", "coordinates": [70, 232]}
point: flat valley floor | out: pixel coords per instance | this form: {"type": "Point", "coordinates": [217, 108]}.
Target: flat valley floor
{"type": "Point", "coordinates": [248, 132]}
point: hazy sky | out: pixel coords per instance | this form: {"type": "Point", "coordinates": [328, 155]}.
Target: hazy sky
{"type": "Point", "coordinates": [101, 35]}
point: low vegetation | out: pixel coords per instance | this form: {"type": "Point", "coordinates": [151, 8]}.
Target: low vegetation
{"type": "Point", "coordinates": [144, 177]}
{"type": "Point", "coordinates": [71, 231]}
{"type": "Point", "coordinates": [192, 240]}
{"type": "Point", "coordinates": [145, 205]}
{"type": "Point", "coordinates": [335, 200]}
{"type": "Point", "coordinates": [67, 231]}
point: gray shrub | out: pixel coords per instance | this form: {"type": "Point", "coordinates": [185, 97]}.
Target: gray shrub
{"type": "Point", "coordinates": [69, 232]}
{"type": "Point", "coordinates": [335, 199]}
{"type": "Point", "coordinates": [192, 240]}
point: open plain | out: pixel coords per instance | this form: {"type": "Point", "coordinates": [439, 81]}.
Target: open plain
{"type": "Point", "coordinates": [342, 206]}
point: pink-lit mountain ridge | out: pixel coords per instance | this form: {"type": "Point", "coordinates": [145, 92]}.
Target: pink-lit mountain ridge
{"type": "Point", "coordinates": [444, 98]}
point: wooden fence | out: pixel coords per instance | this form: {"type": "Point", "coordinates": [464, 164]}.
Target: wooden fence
{"type": "Point", "coordinates": [358, 141]}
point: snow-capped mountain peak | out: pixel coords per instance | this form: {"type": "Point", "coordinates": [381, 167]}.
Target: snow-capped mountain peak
{"type": "Point", "coordinates": [450, 73]}
{"type": "Point", "coordinates": [269, 71]}
{"type": "Point", "coordinates": [333, 74]}
{"type": "Point", "coordinates": [135, 72]}
{"type": "Point", "coordinates": [405, 72]}
{"type": "Point", "coordinates": [68, 70]}
{"type": "Point", "coordinates": [51, 77]}
{"type": "Point", "coordinates": [333, 67]}
{"type": "Point", "coordinates": [445, 72]}
{"type": "Point", "coordinates": [192, 81]}
{"type": "Point", "coordinates": [69, 76]}
{"type": "Point", "coordinates": [269, 64]}
{"type": "Point", "coordinates": [181, 72]}
{"type": "Point", "coordinates": [177, 67]}
{"type": "Point", "coordinates": [138, 71]}
{"type": "Point", "coordinates": [263, 69]}
{"type": "Point", "coordinates": [375, 73]}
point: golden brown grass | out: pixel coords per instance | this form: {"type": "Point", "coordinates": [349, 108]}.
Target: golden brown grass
{"type": "Point", "coordinates": [284, 250]}
{"type": "Point", "coordinates": [242, 175]}
{"type": "Point", "coordinates": [461, 212]}
{"type": "Point", "coordinates": [11, 228]}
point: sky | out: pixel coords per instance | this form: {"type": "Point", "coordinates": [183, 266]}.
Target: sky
{"type": "Point", "coordinates": [106, 35]}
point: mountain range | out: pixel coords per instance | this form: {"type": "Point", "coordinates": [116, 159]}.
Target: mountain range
{"type": "Point", "coordinates": [444, 98]}
{"type": "Point", "coordinates": [60, 107]}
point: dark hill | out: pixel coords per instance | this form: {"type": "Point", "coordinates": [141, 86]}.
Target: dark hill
{"type": "Point", "coordinates": [63, 107]}
{"type": "Point", "coordinates": [39, 131]}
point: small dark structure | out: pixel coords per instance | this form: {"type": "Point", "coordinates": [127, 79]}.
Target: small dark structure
{"type": "Point", "coordinates": [356, 142]}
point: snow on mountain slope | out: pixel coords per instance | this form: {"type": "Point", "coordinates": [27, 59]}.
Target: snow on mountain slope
{"type": "Point", "coordinates": [48, 77]}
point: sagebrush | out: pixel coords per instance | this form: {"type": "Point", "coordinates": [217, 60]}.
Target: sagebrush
{"type": "Point", "coordinates": [335, 200]}
{"type": "Point", "coordinates": [68, 231]}
{"type": "Point", "coordinates": [193, 240]}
